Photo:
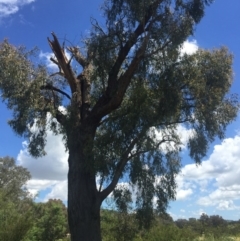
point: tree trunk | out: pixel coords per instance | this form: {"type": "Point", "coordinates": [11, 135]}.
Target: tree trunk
{"type": "Point", "coordinates": [83, 199]}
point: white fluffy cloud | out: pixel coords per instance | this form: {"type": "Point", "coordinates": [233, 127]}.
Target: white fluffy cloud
{"type": "Point", "coordinates": [50, 171]}
{"type": "Point", "coordinates": [217, 180]}
{"type": "Point", "coordinates": [184, 193]}
{"type": "Point", "coordinates": [59, 190]}
{"type": "Point", "coordinates": [189, 47]}
{"type": "Point", "coordinates": [8, 7]}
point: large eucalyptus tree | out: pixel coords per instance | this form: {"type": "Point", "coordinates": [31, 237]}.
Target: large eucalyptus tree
{"type": "Point", "coordinates": [120, 108]}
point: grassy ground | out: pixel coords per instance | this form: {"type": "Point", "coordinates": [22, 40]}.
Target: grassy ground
{"type": "Point", "coordinates": [219, 239]}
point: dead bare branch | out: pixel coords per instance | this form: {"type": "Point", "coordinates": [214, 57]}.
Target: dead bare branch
{"type": "Point", "coordinates": [63, 62]}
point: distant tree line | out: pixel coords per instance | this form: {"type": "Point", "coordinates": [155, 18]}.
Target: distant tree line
{"type": "Point", "coordinates": [120, 226]}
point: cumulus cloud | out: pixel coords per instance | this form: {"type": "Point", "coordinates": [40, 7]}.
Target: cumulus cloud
{"type": "Point", "coordinates": [8, 7]}
{"type": "Point", "coordinates": [183, 193]}
{"type": "Point", "coordinates": [189, 47]}
{"type": "Point", "coordinates": [53, 166]}
{"type": "Point", "coordinates": [185, 188]}
{"type": "Point", "coordinates": [59, 191]}
{"type": "Point", "coordinates": [35, 185]}
{"type": "Point", "coordinates": [49, 171]}
{"type": "Point", "coordinates": [216, 179]}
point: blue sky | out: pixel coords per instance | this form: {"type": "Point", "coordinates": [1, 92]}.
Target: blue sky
{"type": "Point", "coordinates": [213, 187]}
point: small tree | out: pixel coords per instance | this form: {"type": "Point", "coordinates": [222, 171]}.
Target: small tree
{"type": "Point", "coordinates": [13, 179]}
{"type": "Point", "coordinates": [50, 222]}
{"type": "Point", "coordinates": [15, 202]}
{"type": "Point", "coordinates": [120, 108]}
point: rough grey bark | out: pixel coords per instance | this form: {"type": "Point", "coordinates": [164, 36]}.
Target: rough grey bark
{"type": "Point", "coordinates": [83, 201]}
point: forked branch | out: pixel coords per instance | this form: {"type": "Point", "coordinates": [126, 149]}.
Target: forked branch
{"type": "Point", "coordinates": [78, 56]}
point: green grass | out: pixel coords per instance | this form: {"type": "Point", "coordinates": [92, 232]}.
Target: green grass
{"type": "Point", "coordinates": [211, 238]}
